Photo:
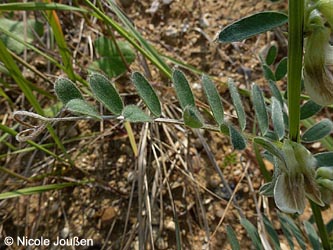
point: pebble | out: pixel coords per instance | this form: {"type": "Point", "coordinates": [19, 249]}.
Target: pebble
{"type": "Point", "coordinates": [64, 233]}
{"type": "Point", "coordinates": [108, 214]}
{"type": "Point", "coordinates": [161, 244]}
{"type": "Point", "coordinates": [214, 181]}
{"type": "Point", "coordinates": [170, 225]}
{"type": "Point", "coordinates": [219, 212]}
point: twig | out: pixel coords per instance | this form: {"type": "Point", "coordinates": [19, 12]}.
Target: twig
{"type": "Point", "coordinates": [34, 130]}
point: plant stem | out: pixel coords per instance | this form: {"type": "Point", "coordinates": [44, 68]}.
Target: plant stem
{"type": "Point", "coordinates": [295, 55]}
{"type": "Point", "coordinates": [320, 225]}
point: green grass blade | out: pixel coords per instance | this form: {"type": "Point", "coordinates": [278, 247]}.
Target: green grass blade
{"type": "Point", "coordinates": [23, 84]}
{"type": "Point", "coordinates": [15, 72]}
{"type": "Point", "coordinates": [38, 189]}
{"type": "Point", "coordinates": [272, 233]}
{"type": "Point", "coordinates": [28, 45]}
{"type": "Point", "coordinates": [232, 238]}
{"type": "Point", "coordinates": [150, 49]}
{"type": "Point", "coordinates": [13, 133]}
{"type": "Point", "coordinates": [38, 6]}
{"type": "Point", "coordinates": [252, 232]}
{"type": "Point", "coordinates": [312, 235]}
{"type": "Point", "coordinates": [286, 231]}
{"type": "Point", "coordinates": [53, 20]}
{"type": "Point", "coordinates": [294, 229]}
{"type": "Point", "coordinates": [132, 37]}
{"type": "Point", "coordinates": [295, 64]}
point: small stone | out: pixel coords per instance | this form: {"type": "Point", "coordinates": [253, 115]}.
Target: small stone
{"type": "Point", "coordinates": [214, 182]}
{"type": "Point", "coordinates": [204, 23]}
{"type": "Point", "coordinates": [108, 214]}
{"type": "Point", "coordinates": [161, 244]}
{"type": "Point", "coordinates": [237, 172]}
{"type": "Point", "coordinates": [219, 212]}
{"type": "Point", "coordinates": [64, 233]}
{"type": "Point", "coordinates": [131, 176]}
{"type": "Point", "coordinates": [170, 225]}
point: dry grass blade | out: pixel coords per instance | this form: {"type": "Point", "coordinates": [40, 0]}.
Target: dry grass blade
{"type": "Point", "coordinates": [261, 226]}
{"type": "Point", "coordinates": [229, 203]}
{"type": "Point", "coordinates": [218, 170]}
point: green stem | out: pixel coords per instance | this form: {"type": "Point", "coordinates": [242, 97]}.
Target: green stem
{"type": "Point", "coordinates": [295, 55]}
{"type": "Point", "coordinates": [320, 225]}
